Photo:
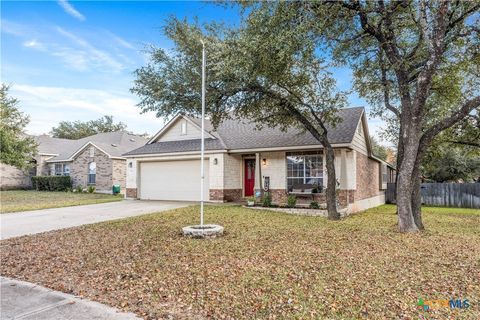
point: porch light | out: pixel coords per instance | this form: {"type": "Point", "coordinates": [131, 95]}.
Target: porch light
{"type": "Point", "coordinates": [215, 161]}
{"type": "Point", "coordinates": [264, 161]}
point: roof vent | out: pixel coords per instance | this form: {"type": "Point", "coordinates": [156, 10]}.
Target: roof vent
{"type": "Point", "coordinates": [132, 140]}
{"type": "Point", "coordinates": [114, 145]}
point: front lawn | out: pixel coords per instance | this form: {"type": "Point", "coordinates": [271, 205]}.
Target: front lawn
{"type": "Point", "coordinates": [268, 265]}
{"type": "Point", "coordinates": [14, 201]}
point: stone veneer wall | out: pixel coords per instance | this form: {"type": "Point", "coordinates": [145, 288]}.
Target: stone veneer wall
{"type": "Point", "coordinates": [14, 178]}
{"type": "Point", "coordinates": [368, 179]}
{"type": "Point", "coordinates": [131, 193]}
{"type": "Point", "coordinates": [232, 172]}
{"type": "Point", "coordinates": [279, 196]}
{"type": "Point", "coordinates": [119, 172]}
{"type": "Point", "coordinates": [43, 168]}
{"type": "Point", "coordinates": [79, 169]}
{"type": "Point", "coordinates": [225, 194]}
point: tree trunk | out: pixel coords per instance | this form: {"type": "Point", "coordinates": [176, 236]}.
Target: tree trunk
{"type": "Point", "coordinates": [416, 184]}
{"type": "Point", "coordinates": [417, 194]}
{"type": "Point", "coordinates": [331, 195]}
{"type": "Point", "coordinates": [406, 222]}
{"type": "Point", "coordinates": [417, 201]}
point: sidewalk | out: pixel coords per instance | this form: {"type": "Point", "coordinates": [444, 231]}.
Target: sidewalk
{"type": "Point", "coordinates": [24, 300]}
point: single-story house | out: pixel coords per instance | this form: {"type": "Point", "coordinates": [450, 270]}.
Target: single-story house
{"type": "Point", "coordinates": [241, 160]}
{"type": "Point", "coordinates": [95, 160]}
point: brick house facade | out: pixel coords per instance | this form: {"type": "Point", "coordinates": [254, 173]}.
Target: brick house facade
{"type": "Point", "coordinates": [96, 160]}
{"type": "Point", "coordinates": [240, 161]}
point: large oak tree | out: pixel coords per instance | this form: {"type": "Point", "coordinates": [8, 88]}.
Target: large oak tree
{"type": "Point", "coordinates": [263, 71]}
{"type": "Point", "coordinates": [416, 62]}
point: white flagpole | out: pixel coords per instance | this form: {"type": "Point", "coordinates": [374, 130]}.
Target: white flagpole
{"type": "Point", "coordinates": [202, 171]}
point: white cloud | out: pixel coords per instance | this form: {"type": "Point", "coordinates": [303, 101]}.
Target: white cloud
{"type": "Point", "coordinates": [68, 8]}
{"type": "Point", "coordinates": [122, 42]}
{"type": "Point", "coordinates": [13, 28]}
{"type": "Point", "coordinates": [108, 55]}
{"type": "Point", "coordinates": [34, 44]}
{"type": "Point", "coordinates": [47, 106]}
{"type": "Point", "coordinates": [90, 54]}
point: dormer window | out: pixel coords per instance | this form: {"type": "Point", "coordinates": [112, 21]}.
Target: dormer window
{"type": "Point", "coordinates": [184, 127]}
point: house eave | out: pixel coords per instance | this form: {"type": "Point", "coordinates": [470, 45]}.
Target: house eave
{"type": "Point", "coordinates": [237, 151]}
{"type": "Point", "coordinates": [152, 155]}
{"type": "Point", "coordinates": [304, 147]}
{"type": "Point", "coordinates": [48, 154]}
{"type": "Point", "coordinates": [59, 160]}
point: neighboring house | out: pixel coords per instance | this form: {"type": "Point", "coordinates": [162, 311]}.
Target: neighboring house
{"type": "Point", "coordinates": [14, 178]}
{"type": "Point", "coordinates": [95, 160]}
{"type": "Point", "coordinates": [241, 160]}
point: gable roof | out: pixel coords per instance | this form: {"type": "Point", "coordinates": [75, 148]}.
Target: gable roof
{"type": "Point", "coordinates": [173, 121]}
{"type": "Point", "coordinates": [238, 134]}
{"type": "Point", "coordinates": [114, 144]}
{"type": "Point", "coordinates": [52, 146]}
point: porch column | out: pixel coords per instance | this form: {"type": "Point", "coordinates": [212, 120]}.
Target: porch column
{"type": "Point", "coordinates": [344, 172]}
{"type": "Point", "coordinates": [258, 173]}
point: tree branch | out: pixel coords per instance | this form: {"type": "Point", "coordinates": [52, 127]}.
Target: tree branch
{"type": "Point", "coordinates": [465, 143]}
{"type": "Point", "coordinates": [386, 89]}
{"type": "Point", "coordinates": [462, 17]}
{"type": "Point", "coordinates": [446, 123]}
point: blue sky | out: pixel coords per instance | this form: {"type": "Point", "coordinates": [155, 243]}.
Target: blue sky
{"type": "Point", "coordinates": [75, 60]}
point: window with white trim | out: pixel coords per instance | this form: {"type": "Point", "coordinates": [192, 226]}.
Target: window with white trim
{"type": "Point", "coordinates": [66, 169]}
{"type": "Point", "coordinates": [61, 169]}
{"type": "Point", "coordinates": [92, 173]}
{"type": "Point", "coordinates": [304, 168]}
{"type": "Point", "coordinates": [58, 169]}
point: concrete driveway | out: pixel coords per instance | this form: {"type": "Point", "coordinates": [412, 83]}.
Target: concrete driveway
{"type": "Point", "coordinates": [23, 300]}
{"type": "Point", "coordinates": [31, 222]}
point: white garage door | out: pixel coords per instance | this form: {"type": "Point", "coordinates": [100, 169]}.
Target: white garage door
{"type": "Point", "coordinates": [172, 180]}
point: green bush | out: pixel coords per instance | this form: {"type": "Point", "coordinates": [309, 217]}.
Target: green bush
{"type": "Point", "coordinates": [79, 189]}
{"type": "Point", "coordinates": [314, 205]}
{"type": "Point", "coordinates": [51, 183]}
{"type": "Point", "coordinates": [291, 201]}
{"type": "Point", "coordinates": [91, 189]}
{"type": "Point", "coordinates": [267, 200]}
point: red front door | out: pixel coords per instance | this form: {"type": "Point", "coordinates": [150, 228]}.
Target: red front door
{"type": "Point", "coordinates": [249, 177]}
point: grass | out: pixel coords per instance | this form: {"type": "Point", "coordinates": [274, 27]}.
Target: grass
{"type": "Point", "coordinates": [269, 265]}
{"type": "Point", "coordinates": [14, 201]}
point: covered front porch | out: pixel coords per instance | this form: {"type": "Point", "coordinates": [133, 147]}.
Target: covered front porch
{"type": "Point", "coordinates": [298, 172]}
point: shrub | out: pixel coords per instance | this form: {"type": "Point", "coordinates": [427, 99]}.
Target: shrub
{"type": "Point", "coordinates": [79, 189]}
{"type": "Point", "coordinates": [51, 183]}
{"type": "Point", "coordinates": [314, 205]}
{"type": "Point", "coordinates": [91, 189]}
{"type": "Point", "coordinates": [267, 200]}
{"type": "Point", "coordinates": [291, 201]}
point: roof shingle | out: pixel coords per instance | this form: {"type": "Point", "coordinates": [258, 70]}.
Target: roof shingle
{"type": "Point", "coordinates": [235, 134]}
{"type": "Point", "coordinates": [113, 143]}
